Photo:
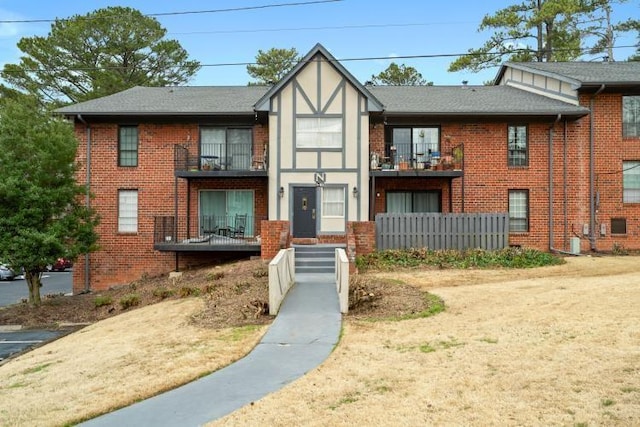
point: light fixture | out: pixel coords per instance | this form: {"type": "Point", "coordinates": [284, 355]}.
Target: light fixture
{"type": "Point", "coordinates": [355, 191]}
{"type": "Point", "coordinates": [281, 192]}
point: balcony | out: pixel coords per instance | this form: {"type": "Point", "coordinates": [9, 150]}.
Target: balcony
{"type": "Point", "coordinates": [220, 160]}
{"type": "Point", "coordinates": [210, 234]}
{"type": "Point", "coordinates": [415, 159]}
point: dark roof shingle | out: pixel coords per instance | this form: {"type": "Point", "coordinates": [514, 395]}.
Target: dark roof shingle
{"type": "Point", "coordinates": [176, 100]}
{"type": "Point", "coordinates": [469, 100]}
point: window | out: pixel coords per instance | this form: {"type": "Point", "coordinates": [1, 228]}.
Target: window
{"type": "Point", "coordinates": [618, 226]}
{"type": "Point", "coordinates": [631, 182]}
{"type": "Point", "coordinates": [128, 146]}
{"type": "Point", "coordinates": [517, 146]}
{"type": "Point", "coordinates": [413, 143]}
{"type": "Point", "coordinates": [226, 148]}
{"type": "Point", "coordinates": [319, 132]}
{"type": "Point", "coordinates": [631, 115]}
{"type": "Point", "coordinates": [518, 211]}
{"type": "Point", "coordinates": [128, 211]}
{"type": "Point", "coordinates": [413, 201]}
{"type": "Point", "coordinates": [333, 202]}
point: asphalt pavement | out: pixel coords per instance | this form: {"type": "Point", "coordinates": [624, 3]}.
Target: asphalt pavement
{"type": "Point", "coordinates": [13, 340]}
{"type": "Point", "coordinates": [12, 292]}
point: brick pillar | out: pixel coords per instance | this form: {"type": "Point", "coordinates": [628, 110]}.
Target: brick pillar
{"type": "Point", "coordinates": [275, 236]}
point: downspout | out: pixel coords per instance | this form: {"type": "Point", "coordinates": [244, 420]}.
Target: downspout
{"type": "Point", "coordinates": [87, 261]}
{"type": "Point", "coordinates": [592, 171]}
{"type": "Point", "coordinates": [550, 162]}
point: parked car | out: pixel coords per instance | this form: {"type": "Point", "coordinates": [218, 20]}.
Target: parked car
{"type": "Point", "coordinates": [6, 273]}
{"type": "Point", "coordinates": [60, 265]}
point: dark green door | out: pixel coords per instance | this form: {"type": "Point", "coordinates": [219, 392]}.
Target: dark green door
{"type": "Point", "coordinates": [304, 211]}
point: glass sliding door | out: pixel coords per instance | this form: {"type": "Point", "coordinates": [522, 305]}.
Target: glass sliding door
{"type": "Point", "coordinates": [239, 149]}
{"type": "Point", "coordinates": [218, 208]}
{"type": "Point", "coordinates": [413, 201]}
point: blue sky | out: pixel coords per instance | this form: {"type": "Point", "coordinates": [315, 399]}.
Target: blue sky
{"type": "Point", "coordinates": [348, 29]}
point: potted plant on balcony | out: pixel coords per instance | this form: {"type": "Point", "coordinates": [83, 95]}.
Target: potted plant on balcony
{"type": "Point", "coordinates": [458, 155]}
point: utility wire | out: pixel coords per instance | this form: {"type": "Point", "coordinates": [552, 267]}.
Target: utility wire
{"type": "Point", "coordinates": [367, 58]}
{"type": "Point", "coordinates": [191, 12]}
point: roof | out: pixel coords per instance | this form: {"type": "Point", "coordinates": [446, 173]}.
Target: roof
{"type": "Point", "coordinates": [581, 73]}
{"type": "Point", "coordinates": [176, 100]}
{"type": "Point", "coordinates": [469, 101]}
{"type": "Point", "coordinates": [263, 103]}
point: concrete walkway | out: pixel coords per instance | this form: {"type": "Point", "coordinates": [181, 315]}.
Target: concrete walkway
{"type": "Point", "coordinates": [301, 337]}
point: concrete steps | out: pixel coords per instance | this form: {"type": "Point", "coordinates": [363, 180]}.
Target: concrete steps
{"type": "Point", "coordinates": [316, 258]}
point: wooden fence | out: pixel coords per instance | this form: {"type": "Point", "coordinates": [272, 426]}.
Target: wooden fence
{"type": "Point", "coordinates": [488, 231]}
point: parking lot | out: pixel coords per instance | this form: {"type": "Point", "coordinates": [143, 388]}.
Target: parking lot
{"type": "Point", "coordinates": [12, 339]}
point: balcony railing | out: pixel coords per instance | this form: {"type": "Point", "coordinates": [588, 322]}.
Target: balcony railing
{"type": "Point", "coordinates": [220, 157]}
{"type": "Point", "coordinates": [418, 156]}
{"type": "Point", "coordinates": [222, 232]}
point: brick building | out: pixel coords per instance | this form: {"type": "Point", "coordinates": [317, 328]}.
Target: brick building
{"type": "Point", "coordinates": [185, 175]}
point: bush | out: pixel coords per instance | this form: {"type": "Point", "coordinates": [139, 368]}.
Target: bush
{"type": "Point", "coordinates": [472, 258]}
{"type": "Point", "coordinates": [188, 291]}
{"type": "Point", "coordinates": [163, 293]}
{"type": "Point", "coordinates": [129, 300]}
{"type": "Point", "coordinates": [101, 301]}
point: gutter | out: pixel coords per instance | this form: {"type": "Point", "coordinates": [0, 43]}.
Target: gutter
{"type": "Point", "coordinates": [592, 171]}
{"type": "Point", "coordinates": [87, 261]}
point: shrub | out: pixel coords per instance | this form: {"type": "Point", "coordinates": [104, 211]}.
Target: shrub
{"type": "Point", "coordinates": [129, 300]}
{"type": "Point", "coordinates": [472, 258]}
{"type": "Point", "coordinates": [102, 300]}
{"type": "Point", "coordinates": [188, 291]}
{"type": "Point", "coordinates": [260, 272]}
{"type": "Point", "coordinates": [163, 293]}
{"type": "Point", "coordinates": [215, 275]}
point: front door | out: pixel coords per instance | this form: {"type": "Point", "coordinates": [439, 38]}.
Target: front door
{"type": "Point", "coordinates": [304, 211]}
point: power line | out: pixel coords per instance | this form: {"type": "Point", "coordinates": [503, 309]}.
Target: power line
{"type": "Point", "coordinates": [366, 58]}
{"type": "Point", "coordinates": [339, 27]}
{"type": "Point", "coordinates": [191, 12]}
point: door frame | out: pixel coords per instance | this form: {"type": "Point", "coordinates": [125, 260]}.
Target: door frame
{"type": "Point", "coordinates": [292, 188]}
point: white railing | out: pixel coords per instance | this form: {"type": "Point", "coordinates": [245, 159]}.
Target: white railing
{"type": "Point", "coordinates": [282, 271]}
{"type": "Point", "coordinates": [342, 279]}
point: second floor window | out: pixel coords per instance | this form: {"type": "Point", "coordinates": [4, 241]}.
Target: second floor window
{"type": "Point", "coordinates": [631, 115]}
{"type": "Point", "coordinates": [226, 148]}
{"type": "Point", "coordinates": [413, 143]}
{"type": "Point", "coordinates": [128, 146]}
{"type": "Point", "coordinates": [517, 146]}
{"type": "Point", "coordinates": [319, 132]}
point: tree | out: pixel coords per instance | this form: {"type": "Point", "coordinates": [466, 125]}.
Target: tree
{"type": "Point", "coordinates": [42, 217]}
{"type": "Point", "coordinates": [98, 54]}
{"type": "Point", "coordinates": [557, 29]}
{"type": "Point", "coordinates": [399, 75]}
{"type": "Point", "coordinates": [272, 65]}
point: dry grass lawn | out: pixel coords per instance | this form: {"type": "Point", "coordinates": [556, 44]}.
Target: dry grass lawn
{"type": "Point", "coordinates": [115, 362]}
{"type": "Point", "coordinates": [549, 346]}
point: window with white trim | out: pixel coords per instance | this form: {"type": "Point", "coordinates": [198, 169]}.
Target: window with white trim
{"type": "Point", "coordinates": [319, 132]}
{"type": "Point", "coordinates": [127, 211]}
{"type": "Point", "coordinates": [333, 202]}
{"type": "Point", "coordinates": [631, 115]}
{"type": "Point", "coordinates": [518, 211]}
{"type": "Point", "coordinates": [631, 182]}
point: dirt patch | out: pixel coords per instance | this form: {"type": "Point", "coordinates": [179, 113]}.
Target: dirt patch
{"type": "Point", "coordinates": [230, 292]}
{"type": "Point", "coordinates": [235, 294]}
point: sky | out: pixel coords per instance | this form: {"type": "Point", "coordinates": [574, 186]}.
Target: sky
{"type": "Point", "coordinates": [352, 30]}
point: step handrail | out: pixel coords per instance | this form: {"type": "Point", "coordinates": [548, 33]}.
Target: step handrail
{"type": "Point", "coordinates": [342, 279]}
{"type": "Point", "coordinates": [282, 274]}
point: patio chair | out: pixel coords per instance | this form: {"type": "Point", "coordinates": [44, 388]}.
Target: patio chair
{"type": "Point", "coordinates": [238, 226]}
